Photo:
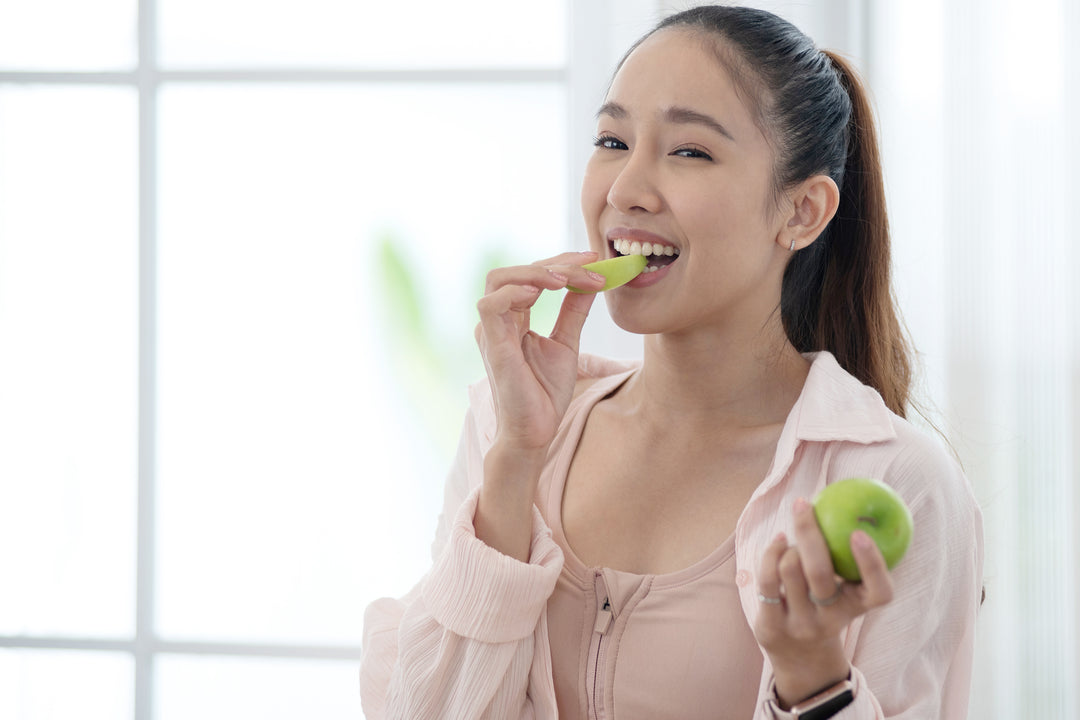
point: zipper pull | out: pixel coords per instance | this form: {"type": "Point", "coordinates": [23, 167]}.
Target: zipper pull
{"type": "Point", "coordinates": [603, 618]}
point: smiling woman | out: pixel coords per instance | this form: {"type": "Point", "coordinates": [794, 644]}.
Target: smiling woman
{"type": "Point", "coordinates": [615, 536]}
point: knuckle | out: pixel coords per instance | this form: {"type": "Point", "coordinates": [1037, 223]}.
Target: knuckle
{"type": "Point", "coordinates": [885, 593]}
{"type": "Point", "coordinates": [490, 280]}
{"type": "Point", "coordinates": [486, 305]}
{"type": "Point", "coordinates": [790, 562]}
{"type": "Point", "coordinates": [821, 576]}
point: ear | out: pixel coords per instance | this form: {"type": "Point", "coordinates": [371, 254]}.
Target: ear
{"type": "Point", "coordinates": [814, 203]}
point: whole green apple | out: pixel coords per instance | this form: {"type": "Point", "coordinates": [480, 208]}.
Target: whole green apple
{"type": "Point", "coordinates": [862, 504]}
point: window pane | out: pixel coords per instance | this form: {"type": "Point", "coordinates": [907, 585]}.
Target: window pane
{"type": "Point", "coordinates": [306, 415]}
{"type": "Point", "coordinates": [68, 360]}
{"type": "Point", "coordinates": [67, 35]}
{"type": "Point", "coordinates": [423, 33]}
{"type": "Point", "coordinates": [51, 684]}
{"type": "Point", "coordinates": [209, 688]}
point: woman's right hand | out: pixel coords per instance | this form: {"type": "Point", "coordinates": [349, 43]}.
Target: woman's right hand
{"type": "Point", "coordinates": [532, 376]}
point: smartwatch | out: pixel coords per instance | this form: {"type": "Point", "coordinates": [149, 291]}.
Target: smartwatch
{"type": "Point", "coordinates": [826, 703]}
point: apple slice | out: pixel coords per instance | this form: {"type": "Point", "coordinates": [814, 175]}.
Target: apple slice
{"type": "Point", "coordinates": [864, 504]}
{"type": "Point", "coordinates": [617, 271]}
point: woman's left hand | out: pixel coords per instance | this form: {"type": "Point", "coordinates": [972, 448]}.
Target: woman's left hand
{"type": "Point", "coordinates": [801, 632]}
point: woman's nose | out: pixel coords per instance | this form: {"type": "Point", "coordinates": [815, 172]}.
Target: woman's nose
{"type": "Point", "coordinates": [634, 188]}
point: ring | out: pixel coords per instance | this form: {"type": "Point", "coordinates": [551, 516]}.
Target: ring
{"type": "Point", "coordinates": [826, 602]}
{"type": "Point", "coordinates": [767, 600]}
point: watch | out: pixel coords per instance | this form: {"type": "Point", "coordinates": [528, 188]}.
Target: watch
{"type": "Point", "coordinates": [826, 703]}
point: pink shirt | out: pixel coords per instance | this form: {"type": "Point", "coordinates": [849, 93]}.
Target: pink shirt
{"type": "Point", "coordinates": [476, 638]}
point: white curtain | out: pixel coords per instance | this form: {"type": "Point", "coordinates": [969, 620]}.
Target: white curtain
{"type": "Point", "coordinates": [978, 105]}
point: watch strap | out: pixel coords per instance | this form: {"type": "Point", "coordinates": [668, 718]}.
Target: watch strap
{"type": "Point", "coordinates": [826, 703]}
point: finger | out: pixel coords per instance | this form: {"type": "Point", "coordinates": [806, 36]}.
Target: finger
{"type": "Point", "coordinates": [769, 575]}
{"type": "Point", "coordinates": [572, 315]}
{"type": "Point", "coordinates": [876, 588]}
{"type": "Point", "coordinates": [496, 310]}
{"type": "Point", "coordinates": [509, 298]}
{"type": "Point", "coordinates": [795, 586]}
{"type": "Point", "coordinates": [814, 553]}
{"type": "Point", "coordinates": [569, 258]}
{"type": "Point", "coordinates": [578, 278]}
{"type": "Point", "coordinates": [535, 275]}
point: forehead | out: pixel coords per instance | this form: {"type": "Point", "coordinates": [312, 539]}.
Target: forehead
{"type": "Point", "coordinates": [680, 67]}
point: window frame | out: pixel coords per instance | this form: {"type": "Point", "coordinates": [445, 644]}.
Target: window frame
{"type": "Point", "coordinates": [583, 75]}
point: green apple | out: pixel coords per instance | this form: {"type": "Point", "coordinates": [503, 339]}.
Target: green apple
{"type": "Point", "coordinates": [862, 504]}
{"type": "Point", "coordinates": [617, 271]}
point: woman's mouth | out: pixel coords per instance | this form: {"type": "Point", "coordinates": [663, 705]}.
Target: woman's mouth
{"type": "Point", "coordinates": [659, 254]}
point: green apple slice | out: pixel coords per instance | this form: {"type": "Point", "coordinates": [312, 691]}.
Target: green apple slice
{"type": "Point", "coordinates": [617, 271]}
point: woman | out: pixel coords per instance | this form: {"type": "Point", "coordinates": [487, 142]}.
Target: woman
{"type": "Point", "coordinates": [635, 540]}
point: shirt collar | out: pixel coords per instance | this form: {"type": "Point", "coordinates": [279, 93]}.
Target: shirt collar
{"type": "Point", "coordinates": [834, 405]}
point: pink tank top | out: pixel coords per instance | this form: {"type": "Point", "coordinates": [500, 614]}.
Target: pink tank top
{"type": "Point", "coordinates": [634, 646]}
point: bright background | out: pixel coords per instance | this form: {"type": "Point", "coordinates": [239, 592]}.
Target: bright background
{"type": "Point", "coordinates": [240, 249]}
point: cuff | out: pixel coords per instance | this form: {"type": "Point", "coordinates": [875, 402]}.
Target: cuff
{"type": "Point", "coordinates": [477, 592]}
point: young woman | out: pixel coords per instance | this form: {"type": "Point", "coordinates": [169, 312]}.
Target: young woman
{"type": "Point", "coordinates": [635, 540]}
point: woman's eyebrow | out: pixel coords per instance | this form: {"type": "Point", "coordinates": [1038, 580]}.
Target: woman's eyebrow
{"type": "Point", "coordinates": [682, 115]}
{"type": "Point", "coordinates": [613, 110]}
{"type": "Point", "coordinates": [675, 114]}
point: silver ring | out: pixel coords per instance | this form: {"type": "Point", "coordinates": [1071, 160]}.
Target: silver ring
{"type": "Point", "coordinates": [767, 600]}
{"type": "Point", "coordinates": [831, 600]}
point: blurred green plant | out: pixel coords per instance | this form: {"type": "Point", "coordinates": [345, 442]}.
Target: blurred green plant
{"type": "Point", "coordinates": [432, 363]}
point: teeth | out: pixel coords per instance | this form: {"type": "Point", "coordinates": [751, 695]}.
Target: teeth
{"type": "Point", "coordinates": [633, 247]}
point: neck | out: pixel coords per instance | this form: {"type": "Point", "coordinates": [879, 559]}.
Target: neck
{"type": "Point", "coordinates": [718, 380]}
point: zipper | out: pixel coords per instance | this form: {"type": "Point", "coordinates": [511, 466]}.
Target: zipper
{"type": "Point", "coordinates": [600, 628]}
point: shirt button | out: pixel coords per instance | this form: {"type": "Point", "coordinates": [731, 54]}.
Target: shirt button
{"type": "Point", "coordinates": [742, 578]}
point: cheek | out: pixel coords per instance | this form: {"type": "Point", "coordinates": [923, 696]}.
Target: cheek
{"type": "Point", "coordinates": [594, 189]}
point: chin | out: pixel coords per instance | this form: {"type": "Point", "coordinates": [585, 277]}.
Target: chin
{"type": "Point", "coordinates": [637, 323]}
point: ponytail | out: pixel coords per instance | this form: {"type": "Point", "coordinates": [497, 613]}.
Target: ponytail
{"type": "Point", "coordinates": [838, 297]}
{"type": "Point", "coordinates": [837, 292]}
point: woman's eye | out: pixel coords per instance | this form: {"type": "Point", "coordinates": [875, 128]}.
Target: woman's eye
{"type": "Point", "coordinates": [692, 152]}
{"type": "Point", "coordinates": [609, 143]}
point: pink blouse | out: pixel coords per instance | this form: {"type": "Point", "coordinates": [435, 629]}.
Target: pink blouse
{"type": "Point", "coordinates": [481, 634]}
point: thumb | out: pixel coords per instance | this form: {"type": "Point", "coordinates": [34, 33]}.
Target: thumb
{"type": "Point", "coordinates": [571, 320]}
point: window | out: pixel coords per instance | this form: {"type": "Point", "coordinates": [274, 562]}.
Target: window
{"type": "Point", "coordinates": [240, 247]}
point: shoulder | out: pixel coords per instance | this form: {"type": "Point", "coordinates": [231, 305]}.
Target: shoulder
{"type": "Point", "coordinates": [927, 473]}
{"type": "Point", "coordinates": [923, 470]}
{"type": "Point", "coordinates": [869, 440]}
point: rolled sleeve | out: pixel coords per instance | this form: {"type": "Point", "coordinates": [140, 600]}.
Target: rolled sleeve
{"type": "Point", "coordinates": [479, 593]}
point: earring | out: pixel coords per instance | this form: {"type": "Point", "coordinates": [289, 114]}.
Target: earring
{"type": "Point", "coordinates": [792, 248]}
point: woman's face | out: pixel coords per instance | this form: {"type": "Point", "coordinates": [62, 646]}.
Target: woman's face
{"type": "Point", "coordinates": [681, 164]}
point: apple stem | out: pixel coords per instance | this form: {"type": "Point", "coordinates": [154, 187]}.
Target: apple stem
{"type": "Point", "coordinates": [869, 520]}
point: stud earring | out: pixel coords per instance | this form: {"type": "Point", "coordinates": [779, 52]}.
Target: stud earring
{"type": "Point", "coordinates": [792, 248]}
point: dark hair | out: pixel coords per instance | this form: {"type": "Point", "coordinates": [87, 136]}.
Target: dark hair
{"type": "Point", "coordinates": [810, 104]}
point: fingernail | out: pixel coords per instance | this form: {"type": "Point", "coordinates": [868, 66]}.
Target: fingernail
{"type": "Point", "coordinates": [531, 288]}
{"type": "Point", "coordinates": [596, 276]}
{"type": "Point", "coordinates": [780, 538]}
{"type": "Point", "coordinates": [861, 539]}
{"type": "Point", "coordinates": [801, 506]}
{"type": "Point", "coordinates": [558, 276]}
